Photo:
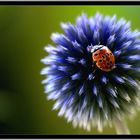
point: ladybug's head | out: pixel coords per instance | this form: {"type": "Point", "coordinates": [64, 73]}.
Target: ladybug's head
{"type": "Point", "coordinates": [95, 48]}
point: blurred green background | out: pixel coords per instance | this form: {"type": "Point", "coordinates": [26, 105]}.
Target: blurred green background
{"type": "Point", "coordinates": [24, 31]}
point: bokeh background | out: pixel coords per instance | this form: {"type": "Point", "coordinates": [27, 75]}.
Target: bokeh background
{"type": "Point", "coordinates": [24, 31]}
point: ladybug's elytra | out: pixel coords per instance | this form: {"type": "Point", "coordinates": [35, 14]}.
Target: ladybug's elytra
{"type": "Point", "coordinates": [103, 57]}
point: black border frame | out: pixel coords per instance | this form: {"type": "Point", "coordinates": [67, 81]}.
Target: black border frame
{"type": "Point", "coordinates": [69, 2]}
{"type": "Point", "coordinates": [89, 3]}
{"type": "Point", "coordinates": [50, 136]}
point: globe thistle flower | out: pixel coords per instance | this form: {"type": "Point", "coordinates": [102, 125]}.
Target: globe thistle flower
{"type": "Point", "coordinates": [84, 94]}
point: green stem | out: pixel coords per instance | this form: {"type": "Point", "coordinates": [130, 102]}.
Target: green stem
{"type": "Point", "coordinates": [121, 127]}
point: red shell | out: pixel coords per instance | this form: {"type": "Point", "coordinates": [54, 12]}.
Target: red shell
{"type": "Point", "coordinates": [104, 59]}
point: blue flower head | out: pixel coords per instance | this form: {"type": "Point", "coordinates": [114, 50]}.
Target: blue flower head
{"type": "Point", "coordinates": [84, 94]}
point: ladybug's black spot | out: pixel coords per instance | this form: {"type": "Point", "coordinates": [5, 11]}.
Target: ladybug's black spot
{"type": "Point", "coordinates": [95, 54]}
{"type": "Point", "coordinates": [103, 56]}
{"type": "Point", "coordinates": [100, 60]}
{"type": "Point", "coordinates": [110, 53]}
{"type": "Point", "coordinates": [110, 62]}
{"type": "Point", "coordinates": [107, 63]}
{"type": "Point", "coordinates": [107, 54]}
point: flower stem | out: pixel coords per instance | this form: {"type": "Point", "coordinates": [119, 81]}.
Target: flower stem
{"type": "Point", "coordinates": [121, 127]}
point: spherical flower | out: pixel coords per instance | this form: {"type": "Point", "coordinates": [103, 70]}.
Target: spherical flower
{"type": "Point", "coordinates": [84, 94]}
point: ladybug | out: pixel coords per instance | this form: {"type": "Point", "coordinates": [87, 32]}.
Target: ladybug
{"type": "Point", "coordinates": [103, 57]}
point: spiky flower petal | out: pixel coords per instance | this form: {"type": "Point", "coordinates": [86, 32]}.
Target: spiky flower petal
{"type": "Point", "coordinates": [85, 95]}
